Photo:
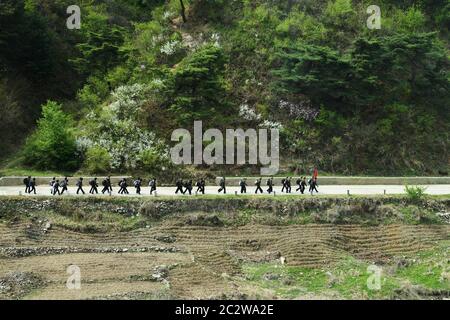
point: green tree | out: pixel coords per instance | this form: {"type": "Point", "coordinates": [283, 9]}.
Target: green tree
{"type": "Point", "coordinates": [318, 72]}
{"type": "Point", "coordinates": [100, 48]}
{"type": "Point", "coordinates": [97, 160]}
{"type": "Point", "coordinates": [199, 87]}
{"type": "Point", "coordinates": [52, 146]}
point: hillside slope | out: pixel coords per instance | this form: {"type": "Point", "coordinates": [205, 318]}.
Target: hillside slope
{"type": "Point", "coordinates": [346, 98]}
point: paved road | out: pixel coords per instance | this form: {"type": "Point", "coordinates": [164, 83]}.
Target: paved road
{"type": "Point", "coordinates": [212, 190]}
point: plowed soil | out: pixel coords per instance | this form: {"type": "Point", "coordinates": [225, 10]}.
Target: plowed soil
{"type": "Point", "coordinates": [203, 262]}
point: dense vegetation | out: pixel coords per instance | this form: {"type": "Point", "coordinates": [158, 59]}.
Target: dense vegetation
{"type": "Point", "coordinates": [348, 99]}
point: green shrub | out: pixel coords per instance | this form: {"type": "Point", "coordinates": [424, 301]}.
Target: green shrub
{"type": "Point", "coordinates": [93, 93]}
{"type": "Point", "coordinates": [97, 160]}
{"type": "Point", "coordinates": [415, 193]}
{"type": "Point", "coordinates": [152, 161]}
{"type": "Point", "coordinates": [52, 146]}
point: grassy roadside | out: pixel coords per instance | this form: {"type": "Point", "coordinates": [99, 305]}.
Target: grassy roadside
{"type": "Point", "coordinates": [278, 197]}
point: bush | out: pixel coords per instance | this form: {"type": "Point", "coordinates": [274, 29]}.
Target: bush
{"type": "Point", "coordinates": [416, 193]}
{"type": "Point", "coordinates": [97, 160]}
{"type": "Point", "coordinates": [52, 146]}
{"type": "Point", "coordinates": [154, 161]}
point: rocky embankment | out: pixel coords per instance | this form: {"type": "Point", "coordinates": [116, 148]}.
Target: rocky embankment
{"type": "Point", "coordinates": [322, 210]}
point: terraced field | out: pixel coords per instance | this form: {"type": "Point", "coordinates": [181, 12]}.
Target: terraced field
{"type": "Point", "coordinates": [171, 258]}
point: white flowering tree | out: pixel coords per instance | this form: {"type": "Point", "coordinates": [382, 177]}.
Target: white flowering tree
{"type": "Point", "coordinates": [249, 114]}
{"type": "Point", "coordinates": [116, 129]}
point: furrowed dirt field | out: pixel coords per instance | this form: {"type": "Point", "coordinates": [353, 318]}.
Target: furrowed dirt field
{"type": "Point", "coordinates": [237, 253]}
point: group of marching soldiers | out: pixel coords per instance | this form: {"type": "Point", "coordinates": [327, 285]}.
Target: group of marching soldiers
{"type": "Point", "coordinates": [187, 186]}
{"type": "Point", "coordinates": [286, 185]}
{"type": "Point", "coordinates": [58, 187]}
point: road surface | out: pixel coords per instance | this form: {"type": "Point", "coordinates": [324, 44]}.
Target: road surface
{"type": "Point", "coordinates": [441, 189]}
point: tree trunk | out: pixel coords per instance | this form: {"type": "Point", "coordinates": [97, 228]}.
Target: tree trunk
{"type": "Point", "coordinates": [183, 11]}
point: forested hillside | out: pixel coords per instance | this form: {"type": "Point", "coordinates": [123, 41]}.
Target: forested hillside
{"type": "Point", "coordinates": [106, 97]}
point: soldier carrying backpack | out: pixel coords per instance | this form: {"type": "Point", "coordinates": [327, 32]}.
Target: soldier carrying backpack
{"type": "Point", "coordinates": [64, 185]}
{"type": "Point", "coordinates": [179, 185]}
{"type": "Point", "coordinates": [222, 186]}
{"type": "Point", "coordinates": [137, 185]}
{"type": "Point", "coordinates": [52, 182]}
{"type": "Point", "coordinates": [270, 184]}
{"type": "Point", "coordinates": [152, 185]}
{"type": "Point", "coordinates": [80, 185]}
{"type": "Point", "coordinates": [94, 185]}
{"type": "Point", "coordinates": [243, 185]}
{"type": "Point", "coordinates": [26, 182]}
{"type": "Point", "coordinates": [258, 186]}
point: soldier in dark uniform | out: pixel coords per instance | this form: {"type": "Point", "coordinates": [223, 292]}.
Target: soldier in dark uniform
{"type": "Point", "coordinates": [152, 185]}
{"type": "Point", "coordinates": [109, 185]}
{"type": "Point", "coordinates": [32, 186]}
{"type": "Point", "coordinates": [120, 185]}
{"type": "Point", "coordinates": [222, 185]}
{"type": "Point", "coordinates": [94, 185]}
{"type": "Point", "coordinates": [304, 184]}
{"type": "Point", "coordinates": [106, 183]}
{"type": "Point", "coordinates": [288, 185]}
{"type": "Point", "coordinates": [203, 185]}
{"type": "Point", "coordinates": [283, 183]}
{"type": "Point", "coordinates": [123, 186]}
{"type": "Point", "coordinates": [108, 180]}
{"type": "Point", "coordinates": [56, 186]}
{"type": "Point", "coordinates": [313, 185]}
{"type": "Point", "coordinates": [270, 184]}
{"type": "Point", "coordinates": [258, 186]}
{"type": "Point", "coordinates": [299, 184]}
{"type": "Point", "coordinates": [188, 187]}
{"type": "Point", "coordinates": [52, 182]}
{"type": "Point", "coordinates": [80, 185]}
{"type": "Point", "coordinates": [243, 184]}
{"type": "Point", "coordinates": [64, 185]}
{"type": "Point", "coordinates": [199, 186]}
{"type": "Point", "coordinates": [179, 185]}
{"type": "Point", "coordinates": [26, 182]}
{"type": "Point", "coordinates": [137, 185]}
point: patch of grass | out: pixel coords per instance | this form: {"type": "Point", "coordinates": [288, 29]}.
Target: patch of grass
{"type": "Point", "coordinates": [352, 278]}
{"type": "Point", "coordinates": [410, 215]}
{"type": "Point", "coordinates": [415, 215]}
{"type": "Point", "coordinates": [348, 279]}
{"type": "Point", "coordinates": [429, 268]}
{"type": "Point", "coordinates": [243, 217]}
{"type": "Point", "coordinates": [288, 281]}
{"type": "Point", "coordinates": [415, 193]}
